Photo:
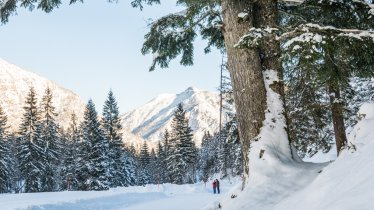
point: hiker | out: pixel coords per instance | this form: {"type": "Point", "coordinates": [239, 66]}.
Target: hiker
{"type": "Point", "coordinates": [214, 186]}
{"type": "Point", "coordinates": [217, 183]}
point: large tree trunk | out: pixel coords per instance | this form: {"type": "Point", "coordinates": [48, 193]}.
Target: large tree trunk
{"type": "Point", "coordinates": [337, 117]}
{"type": "Point", "coordinates": [266, 16]}
{"type": "Point", "coordinates": [246, 75]}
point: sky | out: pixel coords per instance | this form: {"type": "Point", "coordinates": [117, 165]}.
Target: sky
{"type": "Point", "coordinates": [93, 47]}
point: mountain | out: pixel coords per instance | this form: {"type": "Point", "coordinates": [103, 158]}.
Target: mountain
{"type": "Point", "coordinates": [14, 87]}
{"type": "Point", "coordinates": [152, 119]}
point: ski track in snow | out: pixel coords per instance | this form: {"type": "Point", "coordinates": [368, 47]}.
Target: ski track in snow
{"type": "Point", "coordinates": [164, 197]}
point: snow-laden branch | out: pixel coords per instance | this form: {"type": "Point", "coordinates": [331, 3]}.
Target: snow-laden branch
{"type": "Point", "coordinates": [255, 36]}
{"type": "Point", "coordinates": [315, 33]}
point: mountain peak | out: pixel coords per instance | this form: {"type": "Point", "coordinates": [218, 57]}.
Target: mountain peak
{"type": "Point", "coordinates": [192, 89]}
{"type": "Point", "coordinates": [152, 119]}
{"type": "Point", "coordinates": [14, 86]}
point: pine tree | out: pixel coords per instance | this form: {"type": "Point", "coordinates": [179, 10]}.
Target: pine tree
{"type": "Point", "coordinates": [112, 128]}
{"type": "Point", "coordinates": [51, 142]}
{"type": "Point", "coordinates": [333, 48]}
{"type": "Point", "coordinates": [308, 114]}
{"type": "Point", "coordinates": [152, 167]}
{"type": "Point", "coordinates": [205, 163]}
{"type": "Point", "coordinates": [181, 158]}
{"type": "Point", "coordinates": [144, 157]}
{"type": "Point", "coordinates": [160, 170]}
{"type": "Point", "coordinates": [163, 155]}
{"type": "Point", "coordinates": [5, 155]}
{"type": "Point", "coordinates": [131, 164]}
{"type": "Point", "coordinates": [144, 176]}
{"type": "Point", "coordinates": [71, 158]}
{"type": "Point", "coordinates": [30, 150]}
{"type": "Point", "coordinates": [93, 169]}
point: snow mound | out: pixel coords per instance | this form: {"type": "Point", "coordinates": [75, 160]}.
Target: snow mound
{"type": "Point", "coordinates": [346, 184]}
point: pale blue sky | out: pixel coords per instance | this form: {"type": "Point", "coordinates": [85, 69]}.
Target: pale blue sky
{"type": "Point", "coordinates": [93, 47]}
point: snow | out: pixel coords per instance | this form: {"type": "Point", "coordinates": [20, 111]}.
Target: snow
{"type": "Point", "coordinates": [14, 86]}
{"type": "Point", "coordinates": [243, 15]}
{"type": "Point", "coordinates": [348, 182]}
{"type": "Point", "coordinates": [150, 120]}
{"type": "Point", "coordinates": [165, 197]}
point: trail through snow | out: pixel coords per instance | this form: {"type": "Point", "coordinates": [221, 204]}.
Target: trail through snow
{"type": "Point", "coordinates": [163, 197]}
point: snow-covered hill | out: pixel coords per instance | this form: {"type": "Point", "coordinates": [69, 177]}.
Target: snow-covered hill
{"type": "Point", "coordinates": [345, 184]}
{"type": "Point", "coordinates": [14, 87]}
{"type": "Point", "coordinates": [151, 119]}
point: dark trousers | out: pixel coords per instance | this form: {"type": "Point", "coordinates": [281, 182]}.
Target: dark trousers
{"type": "Point", "coordinates": [218, 190]}
{"type": "Point", "coordinates": [214, 190]}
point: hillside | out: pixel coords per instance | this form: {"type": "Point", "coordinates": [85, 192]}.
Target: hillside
{"type": "Point", "coordinates": [15, 84]}
{"type": "Point", "coordinates": [345, 184]}
{"type": "Point", "coordinates": [150, 120]}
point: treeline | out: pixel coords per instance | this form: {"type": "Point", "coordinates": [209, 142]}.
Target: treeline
{"type": "Point", "coordinates": [91, 155]}
{"type": "Point", "coordinates": [179, 161]}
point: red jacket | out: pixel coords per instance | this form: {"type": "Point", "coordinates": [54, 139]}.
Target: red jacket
{"type": "Point", "coordinates": [214, 184]}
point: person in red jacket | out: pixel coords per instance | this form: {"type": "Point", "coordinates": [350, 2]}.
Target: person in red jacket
{"type": "Point", "coordinates": [214, 186]}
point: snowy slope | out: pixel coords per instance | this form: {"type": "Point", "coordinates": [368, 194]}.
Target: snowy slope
{"type": "Point", "coordinates": [151, 119]}
{"type": "Point", "coordinates": [163, 197]}
{"type": "Point", "coordinates": [14, 87]}
{"type": "Point", "coordinates": [346, 184]}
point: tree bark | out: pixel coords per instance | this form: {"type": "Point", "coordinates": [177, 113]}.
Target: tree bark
{"type": "Point", "coordinates": [337, 117]}
{"type": "Point", "coordinates": [266, 16]}
{"type": "Point", "coordinates": [246, 74]}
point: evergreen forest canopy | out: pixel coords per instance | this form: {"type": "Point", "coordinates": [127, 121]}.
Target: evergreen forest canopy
{"type": "Point", "coordinates": [92, 154]}
{"type": "Point", "coordinates": [322, 52]}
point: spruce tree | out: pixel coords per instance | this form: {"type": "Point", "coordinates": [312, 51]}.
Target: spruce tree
{"type": "Point", "coordinates": [163, 155]}
{"type": "Point", "coordinates": [51, 142]}
{"type": "Point", "coordinates": [144, 170]}
{"type": "Point", "coordinates": [181, 159]}
{"type": "Point", "coordinates": [205, 163]}
{"type": "Point", "coordinates": [5, 155]}
{"type": "Point", "coordinates": [160, 169]}
{"type": "Point", "coordinates": [71, 157]}
{"type": "Point", "coordinates": [308, 114]}
{"type": "Point", "coordinates": [112, 128]}
{"type": "Point", "coordinates": [30, 150]}
{"type": "Point", "coordinates": [152, 167]}
{"type": "Point", "coordinates": [131, 164]}
{"type": "Point", "coordinates": [94, 161]}
{"type": "Point", "coordinates": [331, 47]}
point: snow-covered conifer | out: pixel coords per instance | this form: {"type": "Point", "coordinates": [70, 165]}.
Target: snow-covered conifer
{"type": "Point", "coordinates": [112, 127]}
{"type": "Point", "coordinates": [5, 157]}
{"type": "Point", "coordinates": [93, 168]}
{"type": "Point", "coordinates": [30, 150]}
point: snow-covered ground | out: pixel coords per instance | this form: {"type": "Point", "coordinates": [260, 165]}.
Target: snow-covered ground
{"type": "Point", "coordinates": [163, 197]}
{"type": "Point", "coordinates": [345, 184]}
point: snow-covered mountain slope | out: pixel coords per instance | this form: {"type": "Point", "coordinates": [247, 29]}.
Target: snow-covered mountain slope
{"type": "Point", "coordinates": [345, 184]}
{"type": "Point", "coordinates": [152, 119]}
{"type": "Point", "coordinates": [14, 87]}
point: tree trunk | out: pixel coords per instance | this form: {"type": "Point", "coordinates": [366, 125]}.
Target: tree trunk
{"type": "Point", "coordinates": [337, 117]}
{"type": "Point", "coordinates": [246, 75]}
{"type": "Point", "coordinates": [266, 16]}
